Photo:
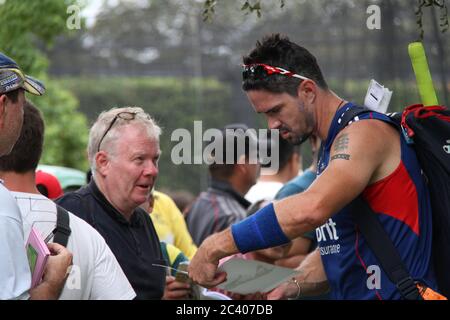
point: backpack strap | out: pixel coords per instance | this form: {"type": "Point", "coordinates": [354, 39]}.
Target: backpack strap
{"type": "Point", "coordinates": [383, 248]}
{"type": "Point", "coordinates": [349, 115]}
{"type": "Point", "coordinates": [63, 230]}
{"type": "Point", "coordinates": [374, 233]}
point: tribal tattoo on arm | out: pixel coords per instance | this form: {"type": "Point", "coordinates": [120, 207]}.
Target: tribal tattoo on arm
{"type": "Point", "coordinates": [341, 145]}
{"type": "Point", "coordinates": [342, 156]}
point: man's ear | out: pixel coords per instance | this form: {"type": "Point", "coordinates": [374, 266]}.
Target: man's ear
{"type": "Point", "coordinates": [102, 163]}
{"type": "Point", "coordinates": [307, 91]}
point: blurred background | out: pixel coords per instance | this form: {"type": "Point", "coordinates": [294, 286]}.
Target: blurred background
{"type": "Point", "coordinates": [163, 56]}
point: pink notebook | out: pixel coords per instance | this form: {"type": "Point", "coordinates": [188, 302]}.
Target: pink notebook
{"type": "Point", "coordinates": [38, 254]}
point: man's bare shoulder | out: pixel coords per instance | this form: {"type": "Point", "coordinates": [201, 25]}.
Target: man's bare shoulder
{"type": "Point", "coordinates": [371, 141]}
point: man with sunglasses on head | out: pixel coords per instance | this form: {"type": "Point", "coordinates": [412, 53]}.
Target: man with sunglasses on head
{"type": "Point", "coordinates": [368, 157]}
{"type": "Point", "coordinates": [15, 277]}
{"type": "Point", "coordinates": [123, 152]}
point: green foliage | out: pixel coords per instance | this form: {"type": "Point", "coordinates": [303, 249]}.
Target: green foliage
{"type": "Point", "coordinates": [247, 7]}
{"type": "Point", "coordinates": [173, 102]}
{"type": "Point", "coordinates": [430, 3]}
{"type": "Point", "coordinates": [26, 26]}
{"type": "Point", "coordinates": [26, 23]}
{"type": "Point", "coordinates": [66, 129]}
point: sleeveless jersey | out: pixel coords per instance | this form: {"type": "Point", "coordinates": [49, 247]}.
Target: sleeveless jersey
{"type": "Point", "coordinates": [402, 203]}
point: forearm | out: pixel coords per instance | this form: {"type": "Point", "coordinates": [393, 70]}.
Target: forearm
{"type": "Point", "coordinates": [220, 245]}
{"type": "Point", "coordinates": [301, 213]}
{"type": "Point", "coordinates": [45, 291]}
{"type": "Point", "coordinates": [298, 251]}
{"type": "Point", "coordinates": [312, 277]}
{"type": "Point", "coordinates": [291, 262]}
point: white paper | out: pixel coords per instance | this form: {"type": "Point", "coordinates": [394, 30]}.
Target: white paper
{"type": "Point", "coordinates": [377, 97]}
{"type": "Point", "coordinates": [250, 276]}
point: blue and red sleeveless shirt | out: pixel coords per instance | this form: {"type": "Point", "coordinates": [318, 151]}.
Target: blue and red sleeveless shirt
{"type": "Point", "coordinates": [402, 203]}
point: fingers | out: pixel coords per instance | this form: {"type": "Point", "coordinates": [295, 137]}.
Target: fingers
{"type": "Point", "coordinates": [177, 294]}
{"type": "Point", "coordinates": [219, 278]}
{"type": "Point", "coordinates": [60, 253]}
{"type": "Point", "coordinates": [55, 248]}
{"type": "Point", "coordinates": [169, 279]}
{"type": "Point", "coordinates": [274, 295]}
{"type": "Point", "coordinates": [172, 284]}
{"type": "Point", "coordinates": [208, 283]}
{"type": "Point", "coordinates": [279, 293]}
{"type": "Point", "coordinates": [176, 289]}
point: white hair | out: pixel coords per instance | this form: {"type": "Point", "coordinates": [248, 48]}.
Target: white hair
{"type": "Point", "coordinates": [105, 119]}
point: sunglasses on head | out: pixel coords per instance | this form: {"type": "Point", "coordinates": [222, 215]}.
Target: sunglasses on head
{"type": "Point", "coordinates": [124, 115]}
{"type": "Point", "coordinates": [260, 70]}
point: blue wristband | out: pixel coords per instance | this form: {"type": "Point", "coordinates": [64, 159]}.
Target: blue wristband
{"type": "Point", "coordinates": [259, 231]}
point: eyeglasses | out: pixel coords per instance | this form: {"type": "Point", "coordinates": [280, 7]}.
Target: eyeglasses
{"type": "Point", "coordinates": [260, 70]}
{"type": "Point", "coordinates": [124, 115]}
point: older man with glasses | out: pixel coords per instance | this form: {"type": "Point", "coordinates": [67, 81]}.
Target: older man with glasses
{"type": "Point", "coordinates": [123, 153]}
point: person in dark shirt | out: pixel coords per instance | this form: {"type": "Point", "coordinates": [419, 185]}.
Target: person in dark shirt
{"type": "Point", "coordinates": [223, 203]}
{"type": "Point", "coordinates": [123, 153]}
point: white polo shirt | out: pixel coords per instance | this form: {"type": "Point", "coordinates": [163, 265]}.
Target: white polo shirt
{"type": "Point", "coordinates": [95, 274]}
{"type": "Point", "coordinates": [15, 277]}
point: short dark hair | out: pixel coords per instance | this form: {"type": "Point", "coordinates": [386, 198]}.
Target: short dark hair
{"type": "Point", "coordinates": [27, 151]}
{"type": "Point", "coordinates": [222, 171]}
{"type": "Point", "coordinates": [278, 51]}
{"type": "Point", "coordinates": [13, 95]}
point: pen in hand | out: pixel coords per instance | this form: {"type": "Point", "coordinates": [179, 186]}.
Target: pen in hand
{"type": "Point", "coordinates": [47, 239]}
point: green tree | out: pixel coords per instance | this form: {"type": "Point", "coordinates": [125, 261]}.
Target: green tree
{"type": "Point", "coordinates": [28, 29]}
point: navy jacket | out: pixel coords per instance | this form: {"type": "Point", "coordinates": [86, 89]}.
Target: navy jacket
{"type": "Point", "coordinates": [135, 243]}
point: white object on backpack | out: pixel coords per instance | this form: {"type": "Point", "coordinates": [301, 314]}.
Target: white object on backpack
{"type": "Point", "coordinates": [377, 97]}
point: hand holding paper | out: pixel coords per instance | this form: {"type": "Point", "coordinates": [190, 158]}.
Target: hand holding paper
{"type": "Point", "coordinates": [250, 276]}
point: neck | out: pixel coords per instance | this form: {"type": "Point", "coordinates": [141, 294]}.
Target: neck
{"type": "Point", "coordinates": [325, 110]}
{"type": "Point", "coordinates": [20, 182]}
{"type": "Point", "coordinates": [239, 185]}
{"type": "Point", "coordinates": [107, 192]}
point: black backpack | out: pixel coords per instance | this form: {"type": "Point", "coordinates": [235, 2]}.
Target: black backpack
{"type": "Point", "coordinates": [428, 130]}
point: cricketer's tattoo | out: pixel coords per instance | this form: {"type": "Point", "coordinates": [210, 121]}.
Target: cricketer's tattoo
{"type": "Point", "coordinates": [341, 143]}
{"type": "Point", "coordinates": [342, 156]}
